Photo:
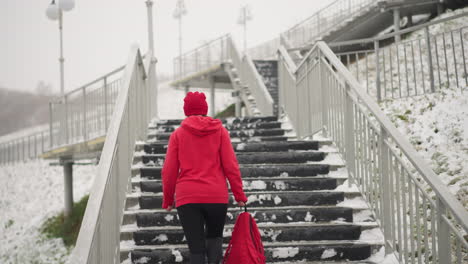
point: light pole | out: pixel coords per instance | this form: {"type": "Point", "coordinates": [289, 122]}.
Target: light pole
{"type": "Point", "coordinates": [245, 15]}
{"type": "Point", "coordinates": [55, 11]}
{"type": "Point", "coordinates": [179, 12]}
{"type": "Point", "coordinates": [152, 78]}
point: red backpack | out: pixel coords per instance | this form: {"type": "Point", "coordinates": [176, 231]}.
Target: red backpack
{"type": "Point", "coordinates": [246, 244]}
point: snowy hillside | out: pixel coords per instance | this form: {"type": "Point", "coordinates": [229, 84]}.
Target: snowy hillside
{"type": "Point", "coordinates": [29, 194]}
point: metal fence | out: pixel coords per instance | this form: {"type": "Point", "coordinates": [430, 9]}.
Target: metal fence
{"type": "Point", "coordinates": [264, 51]}
{"type": "Point", "coordinates": [84, 113]}
{"type": "Point", "coordinates": [25, 147]}
{"type": "Point", "coordinates": [99, 237]}
{"type": "Point", "coordinates": [423, 63]}
{"type": "Point", "coordinates": [79, 115]}
{"type": "Point", "coordinates": [210, 54]}
{"type": "Point", "coordinates": [422, 221]}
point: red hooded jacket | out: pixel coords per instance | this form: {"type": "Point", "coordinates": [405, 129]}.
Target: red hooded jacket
{"type": "Point", "coordinates": [199, 158]}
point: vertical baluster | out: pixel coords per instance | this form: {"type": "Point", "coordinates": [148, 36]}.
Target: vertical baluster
{"type": "Point", "coordinates": [406, 70]}
{"type": "Point", "coordinates": [384, 75]}
{"type": "Point", "coordinates": [414, 69]}
{"type": "Point", "coordinates": [422, 66]}
{"type": "Point", "coordinates": [377, 71]}
{"type": "Point", "coordinates": [455, 66]}
{"type": "Point", "coordinates": [405, 212]}
{"type": "Point", "coordinates": [398, 209]}
{"type": "Point", "coordinates": [391, 70]}
{"type": "Point", "coordinates": [443, 234]}
{"type": "Point", "coordinates": [446, 61]}
{"type": "Point", "coordinates": [426, 230]}
{"type": "Point", "coordinates": [418, 225]}
{"type": "Point", "coordinates": [437, 61]}
{"type": "Point", "coordinates": [411, 229]}
{"type": "Point", "coordinates": [463, 56]}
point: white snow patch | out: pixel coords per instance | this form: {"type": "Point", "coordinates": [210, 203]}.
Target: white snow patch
{"type": "Point", "coordinates": [357, 202]}
{"type": "Point", "coordinates": [374, 234]}
{"type": "Point", "coordinates": [328, 253]}
{"type": "Point", "coordinates": [381, 258]}
{"type": "Point", "coordinates": [285, 252]}
{"type": "Point", "coordinates": [178, 255]}
{"type": "Point", "coordinates": [169, 217]}
{"type": "Point", "coordinates": [345, 187]}
{"type": "Point", "coordinates": [142, 260]}
{"type": "Point", "coordinates": [280, 185]}
{"type": "Point", "coordinates": [277, 200]}
{"type": "Point", "coordinates": [160, 237]}
{"type": "Point", "coordinates": [241, 146]}
{"type": "Point", "coordinates": [308, 217]}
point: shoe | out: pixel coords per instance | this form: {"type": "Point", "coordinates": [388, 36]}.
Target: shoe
{"type": "Point", "coordinates": [197, 258]}
{"type": "Point", "coordinates": [214, 250]}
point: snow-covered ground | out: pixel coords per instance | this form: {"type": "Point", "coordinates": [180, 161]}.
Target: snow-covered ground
{"type": "Point", "coordinates": [30, 193]}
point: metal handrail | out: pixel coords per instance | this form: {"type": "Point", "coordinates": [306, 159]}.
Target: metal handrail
{"type": "Point", "coordinates": [381, 162]}
{"type": "Point", "coordinates": [99, 237]}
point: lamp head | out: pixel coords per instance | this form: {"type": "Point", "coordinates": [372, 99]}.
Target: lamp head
{"type": "Point", "coordinates": [66, 5]}
{"type": "Point", "coordinates": [53, 11]}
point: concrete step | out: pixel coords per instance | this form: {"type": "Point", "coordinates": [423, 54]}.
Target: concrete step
{"type": "Point", "coordinates": [256, 170]}
{"type": "Point", "coordinates": [269, 232]}
{"type": "Point", "coordinates": [251, 157]}
{"type": "Point", "coordinates": [258, 184]}
{"type": "Point", "coordinates": [229, 121]}
{"type": "Point", "coordinates": [230, 127]}
{"type": "Point", "coordinates": [255, 199]}
{"type": "Point", "coordinates": [275, 252]}
{"type": "Point", "coordinates": [160, 147]}
{"type": "Point", "coordinates": [246, 133]}
{"type": "Point", "coordinates": [314, 214]}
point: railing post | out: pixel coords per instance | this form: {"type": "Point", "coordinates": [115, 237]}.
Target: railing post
{"type": "Point", "coordinates": [377, 69]}
{"type": "Point", "coordinates": [51, 121]}
{"type": "Point", "coordinates": [349, 134]}
{"type": "Point", "coordinates": [23, 147]}
{"type": "Point", "coordinates": [105, 104]}
{"type": "Point", "coordinates": [443, 234]}
{"type": "Point", "coordinates": [324, 96]}
{"type": "Point", "coordinates": [42, 142]}
{"type": "Point", "coordinates": [65, 119]}
{"type": "Point", "coordinates": [35, 145]}
{"type": "Point", "coordinates": [429, 58]}
{"type": "Point", "coordinates": [385, 188]}
{"type": "Point", "coordinates": [85, 126]}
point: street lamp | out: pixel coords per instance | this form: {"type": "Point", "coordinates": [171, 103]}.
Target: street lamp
{"type": "Point", "coordinates": [245, 15]}
{"type": "Point", "coordinates": [179, 12]}
{"type": "Point", "coordinates": [55, 12]}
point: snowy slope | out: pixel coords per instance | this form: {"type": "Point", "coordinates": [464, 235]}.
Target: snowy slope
{"type": "Point", "coordinates": [29, 194]}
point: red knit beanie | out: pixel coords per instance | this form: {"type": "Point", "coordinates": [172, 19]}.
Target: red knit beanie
{"type": "Point", "coordinates": [195, 104]}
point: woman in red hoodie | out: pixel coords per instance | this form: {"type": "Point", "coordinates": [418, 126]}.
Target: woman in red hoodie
{"type": "Point", "coordinates": [199, 158]}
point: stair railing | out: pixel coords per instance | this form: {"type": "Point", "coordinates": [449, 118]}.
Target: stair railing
{"type": "Point", "coordinates": [99, 237]}
{"type": "Point", "coordinates": [250, 77]}
{"type": "Point", "coordinates": [421, 220]}
{"type": "Point", "coordinates": [420, 65]}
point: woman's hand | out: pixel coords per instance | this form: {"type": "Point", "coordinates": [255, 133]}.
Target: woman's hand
{"type": "Point", "coordinates": [241, 204]}
{"type": "Point", "coordinates": [169, 208]}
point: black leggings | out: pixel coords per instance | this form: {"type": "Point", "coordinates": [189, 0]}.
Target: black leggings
{"type": "Point", "coordinates": [193, 218]}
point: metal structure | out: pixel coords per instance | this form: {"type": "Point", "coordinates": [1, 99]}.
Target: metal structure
{"type": "Point", "coordinates": [249, 76]}
{"type": "Point", "coordinates": [422, 221]}
{"type": "Point", "coordinates": [99, 237]}
{"type": "Point", "coordinates": [420, 64]}
{"type": "Point", "coordinates": [209, 55]}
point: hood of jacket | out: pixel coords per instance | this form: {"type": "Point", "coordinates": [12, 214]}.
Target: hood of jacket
{"type": "Point", "coordinates": [201, 125]}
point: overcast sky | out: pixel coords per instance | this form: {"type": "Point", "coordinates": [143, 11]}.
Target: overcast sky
{"type": "Point", "coordinates": [98, 34]}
